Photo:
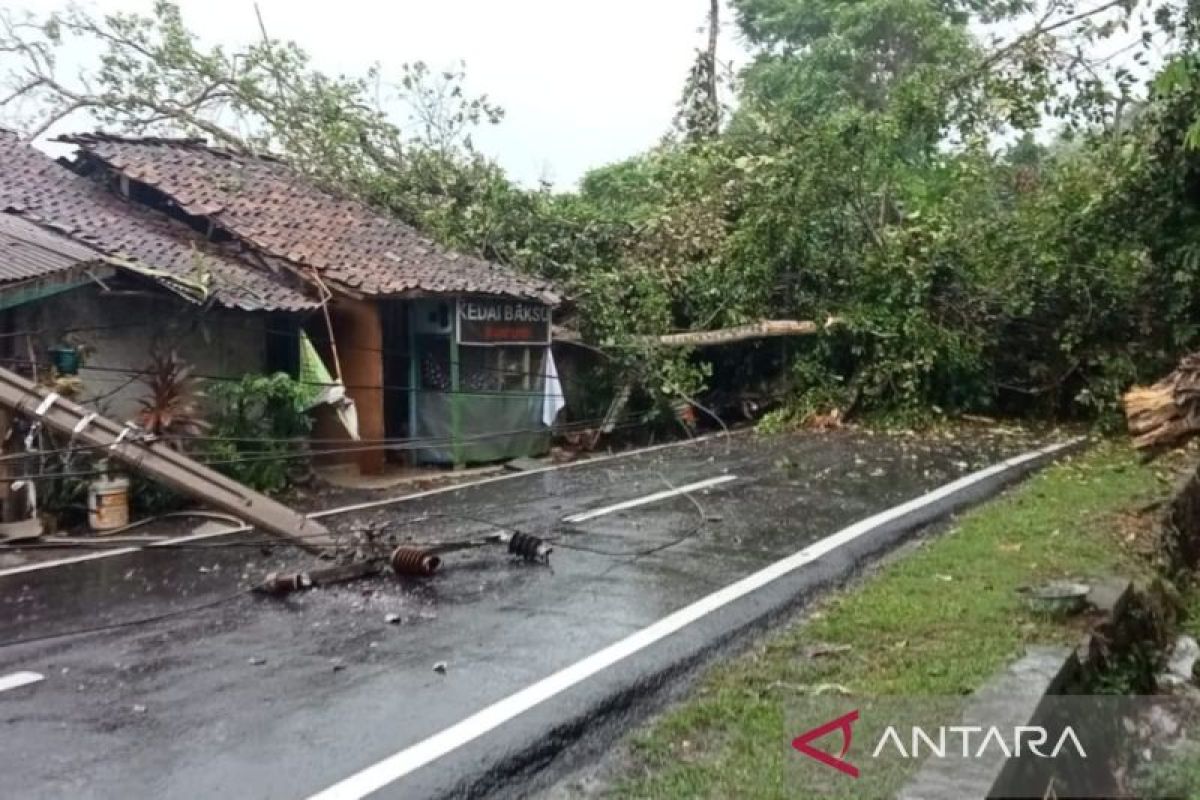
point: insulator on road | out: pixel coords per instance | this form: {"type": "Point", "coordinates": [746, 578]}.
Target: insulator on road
{"type": "Point", "coordinates": [529, 547]}
{"type": "Point", "coordinates": [285, 583]}
{"type": "Point", "coordinates": [414, 561]}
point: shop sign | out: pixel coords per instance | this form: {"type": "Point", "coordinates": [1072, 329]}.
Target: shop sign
{"type": "Point", "coordinates": [503, 322]}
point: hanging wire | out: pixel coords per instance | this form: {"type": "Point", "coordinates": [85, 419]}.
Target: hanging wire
{"type": "Point", "coordinates": [402, 354]}
{"type": "Point", "coordinates": [138, 373]}
{"type": "Point", "coordinates": [404, 445]}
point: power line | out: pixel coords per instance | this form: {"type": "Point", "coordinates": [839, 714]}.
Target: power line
{"type": "Point", "coordinates": [292, 334]}
{"type": "Point", "coordinates": [146, 620]}
{"type": "Point", "coordinates": [417, 442]}
{"type": "Point", "coordinates": [179, 612]}
{"type": "Point", "coordinates": [398, 444]}
{"type": "Point", "coordinates": [261, 458]}
{"type": "Point", "coordinates": [383, 387]}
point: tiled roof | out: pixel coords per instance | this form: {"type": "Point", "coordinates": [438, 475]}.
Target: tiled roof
{"type": "Point", "coordinates": [28, 251]}
{"type": "Point", "coordinates": [271, 207]}
{"type": "Point", "coordinates": [39, 190]}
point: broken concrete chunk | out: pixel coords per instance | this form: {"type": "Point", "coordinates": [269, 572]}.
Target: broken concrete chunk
{"type": "Point", "coordinates": [1181, 662]}
{"type": "Point", "coordinates": [257, 661]}
{"type": "Point", "coordinates": [392, 619]}
{"type": "Point", "coordinates": [440, 668]}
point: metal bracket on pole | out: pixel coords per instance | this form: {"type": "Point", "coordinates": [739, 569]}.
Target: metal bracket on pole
{"type": "Point", "coordinates": [161, 463]}
{"type": "Point", "coordinates": [39, 412]}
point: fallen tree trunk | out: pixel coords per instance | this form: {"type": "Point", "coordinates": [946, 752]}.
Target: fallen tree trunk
{"type": "Point", "coordinates": [765, 329]}
{"type": "Point", "coordinates": [1166, 414]}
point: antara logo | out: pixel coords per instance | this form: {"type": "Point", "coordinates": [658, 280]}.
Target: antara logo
{"type": "Point", "coordinates": [804, 741]}
{"type": "Point", "coordinates": [954, 741]}
{"type": "Point", "coordinates": [1026, 740]}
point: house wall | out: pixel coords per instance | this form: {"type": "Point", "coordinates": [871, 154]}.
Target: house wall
{"type": "Point", "coordinates": [121, 331]}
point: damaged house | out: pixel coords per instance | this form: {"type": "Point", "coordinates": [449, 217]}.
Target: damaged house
{"type": "Point", "coordinates": [227, 259]}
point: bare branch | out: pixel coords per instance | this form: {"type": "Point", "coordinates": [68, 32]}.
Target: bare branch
{"type": "Point", "coordinates": [21, 91]}
{"type": "Point", "coordinates": [1043, 27]}
{"type": "Point", "coordinates": [60, 114]}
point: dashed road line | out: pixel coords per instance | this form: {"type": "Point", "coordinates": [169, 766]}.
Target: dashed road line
{"type": "Point", "coordinates": [650, 498]}
{"type": "Point", "coordinates": [16, 680]}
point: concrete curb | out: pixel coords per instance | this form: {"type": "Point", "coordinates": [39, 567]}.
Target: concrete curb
{"type": "Point", "coordinates": [1011, 698]}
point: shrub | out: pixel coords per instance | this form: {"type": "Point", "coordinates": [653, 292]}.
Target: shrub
{"type": "Point", "coordinates": [259, 429]}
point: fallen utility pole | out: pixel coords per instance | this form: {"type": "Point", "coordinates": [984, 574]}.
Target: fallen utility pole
{"type": "Point", "coordinates": [765, 329]}
{"type": "Point", "coordinates": [157, 461]}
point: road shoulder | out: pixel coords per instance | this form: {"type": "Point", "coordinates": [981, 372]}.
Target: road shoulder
{"type": "Point", "coordinates": [936, 619]}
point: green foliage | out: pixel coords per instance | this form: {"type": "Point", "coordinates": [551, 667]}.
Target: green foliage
{"type": "Point", "coordinates": [259, 429]}
{"type": "Point", "coordinates": [1177, 774]}
{"type": "Point", "coordinates": [859, 174]}
{"type": "Point", "coordinates": [936, 622]}
{"type": "Point", "coordinates": [969, 279]}
{"type": "Point", "coordinates": [63, 492]}
{"type": "Point", "coordinates": [150, 498]}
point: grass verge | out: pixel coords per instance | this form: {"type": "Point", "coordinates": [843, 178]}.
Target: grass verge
{"type": "Point", "coordinates": [936, 621]}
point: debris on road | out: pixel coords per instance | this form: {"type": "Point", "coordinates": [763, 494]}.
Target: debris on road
{"type": "Point", "coordinates": [285, 583]}
{"type": "Point", "coordinates": [393, 619]}
{"type": "Point", "coordinates": [529, 547]}
{"type": "Point", "coordinates": [414, 561]}
{"type": "Point", "coordinates": [405, 561]}
{"type": "Point", "coordinates": [440, 668]}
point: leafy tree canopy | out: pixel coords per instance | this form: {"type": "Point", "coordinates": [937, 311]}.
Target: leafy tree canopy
{"type": "Point", "coordinates": [986, 190]}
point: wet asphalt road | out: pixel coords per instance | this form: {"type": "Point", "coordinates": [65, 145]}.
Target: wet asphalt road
{"type": "Point", "coordinates": [244, 696]}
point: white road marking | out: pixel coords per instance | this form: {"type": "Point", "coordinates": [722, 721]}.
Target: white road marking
{"type": "Point", "coordinates": [650, 498]}
{"type": "Point", "coordinates": [412, 758]}
{"type": "Point", "coordinates": [360, 506]}
{"type": "Point", "coordinates": [18, 679]}
{"type": "Point", "coordinates": [120, 551]}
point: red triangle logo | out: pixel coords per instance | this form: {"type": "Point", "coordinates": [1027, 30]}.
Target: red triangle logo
{"type": "Point", "coordinates": [804, 741]}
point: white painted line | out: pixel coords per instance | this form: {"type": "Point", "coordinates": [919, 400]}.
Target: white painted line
{"type": "Point", "coordinates": [119, 551]}
{"type": "Point", "coordinates": [650, 498]}
{"type": "Point", "coordinates": [362, 506]}
{"type": "Point", "coordinates": [18, 679]}
{"type": "Point", "coordinates": [412, 758]}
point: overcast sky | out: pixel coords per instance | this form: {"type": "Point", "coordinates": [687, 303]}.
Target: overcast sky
{"type": "Point", "coordinates": [583, 83]}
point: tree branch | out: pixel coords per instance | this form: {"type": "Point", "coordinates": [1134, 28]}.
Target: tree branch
{"type": "Point", "coordinates": [1043, 27]}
